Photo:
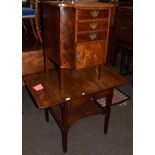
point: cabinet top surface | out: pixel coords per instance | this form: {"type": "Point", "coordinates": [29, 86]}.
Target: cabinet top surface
{"type": "Point", "coordinates": [76, 4]}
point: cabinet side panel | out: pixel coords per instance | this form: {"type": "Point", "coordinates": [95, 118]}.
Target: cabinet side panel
{"type": "Point", "coordinates": [51, 32]}
{"type": "Point", "coordinates": [67, 36]}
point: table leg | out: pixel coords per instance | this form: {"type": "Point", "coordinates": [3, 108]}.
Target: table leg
{"type": "Point", "coordinates": [108, 111]}
{"type": "Point", "coordinates": [65, 126]}
{"type": "Point", "coordinates": [47, 115]}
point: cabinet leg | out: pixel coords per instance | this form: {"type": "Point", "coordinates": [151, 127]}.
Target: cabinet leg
{"type": "Point", "coordinates": [61, 79]}
{"type": "Point", "coordinates": [47, 115]}
{"type": "Point", "coordinates": [108, 111]}
{"type": "Point", "coordinates": [65, 126]}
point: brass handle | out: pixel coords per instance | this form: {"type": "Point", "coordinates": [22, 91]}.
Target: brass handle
{"type": "Point", "coordinates": [93, 25]}
{"type": "Point", "coordinates": [78, 57]}
{"type": "Point", "coordinates": [92, 36]}
{"type": "Point", "coordinates": [94, 13]}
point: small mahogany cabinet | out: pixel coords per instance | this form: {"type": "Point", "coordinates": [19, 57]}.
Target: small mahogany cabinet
{"type": "Point", "coordinates": [75, 34]}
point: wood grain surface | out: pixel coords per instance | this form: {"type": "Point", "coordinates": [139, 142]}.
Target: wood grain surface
{"type": "Point", "coordinates": [76, 83]}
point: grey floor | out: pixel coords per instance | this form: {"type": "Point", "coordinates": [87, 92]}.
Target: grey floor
{"type": "Point", "coordinates": [86, 137]}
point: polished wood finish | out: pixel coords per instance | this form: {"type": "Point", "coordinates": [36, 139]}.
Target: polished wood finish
{"type": "Point", "coordinates": [79, 98]}
{"type": "Point", "coordinates": [86, 25]}
{"type": "Point", "coordinates": [62, 35]}
{"type": "Point", "coordinates": [86, 14]}
{"type": "Point", "coordinates": [70, 95]}
{"type": "Point", "coordinates": [73, 89]}
{"type": "Point", "coordinates": [89, 54]}
{"type": "Point", "coordinates": [86, 37]}
{"type": "Point", "coordinates": [75, 35]}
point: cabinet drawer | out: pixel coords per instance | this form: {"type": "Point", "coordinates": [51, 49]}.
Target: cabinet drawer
{"type": "Point", "coordinates": [93, 36]}
{"type": "Point", "coordinates": [92, 14]}
{"type": "Point", "coordinates": [93, 25]}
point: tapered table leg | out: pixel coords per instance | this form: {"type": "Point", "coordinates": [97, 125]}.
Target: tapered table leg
{"type": "Point", "coordinates": [108, 111]}
{"type": "Point", "coordinates": [65, 126]}
{"type": "Point", "coordinates": [47, 115]}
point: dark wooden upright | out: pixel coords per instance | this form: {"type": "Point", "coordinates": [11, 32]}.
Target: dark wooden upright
{"type": "Point", "coordinates": [75, 35]}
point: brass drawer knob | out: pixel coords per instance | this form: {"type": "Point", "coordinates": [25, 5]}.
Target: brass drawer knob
{"type": "Point", "coordinates": [93, 25]}
{"type": "Point", "coordinates": [92, 36]}
{"type": "Point", "coordinates": [94, 13]}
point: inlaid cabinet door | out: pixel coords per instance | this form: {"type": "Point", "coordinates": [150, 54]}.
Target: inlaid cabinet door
{"type": "Point", "coordinates": [90, 54]}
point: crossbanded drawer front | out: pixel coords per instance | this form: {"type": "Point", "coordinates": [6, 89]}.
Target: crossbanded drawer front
{"type": "Point", "coordinates": [92, 36]}
{"type": "Point", "coordinates": [92, 14]}
{"type": "Point", "coordinates": [80, 101]}
{"type": "Point", "coordinates": [93, 25]}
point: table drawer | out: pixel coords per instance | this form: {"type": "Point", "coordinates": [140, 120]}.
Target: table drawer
{"type": "Point", "coordinates": [93, 36]}
{"type": "Point", "coordinates": [92, 14]}
{"type": "Point", "coordinates": [80, 101]}
{"type": "Point", "coordinates": [93, 25]}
